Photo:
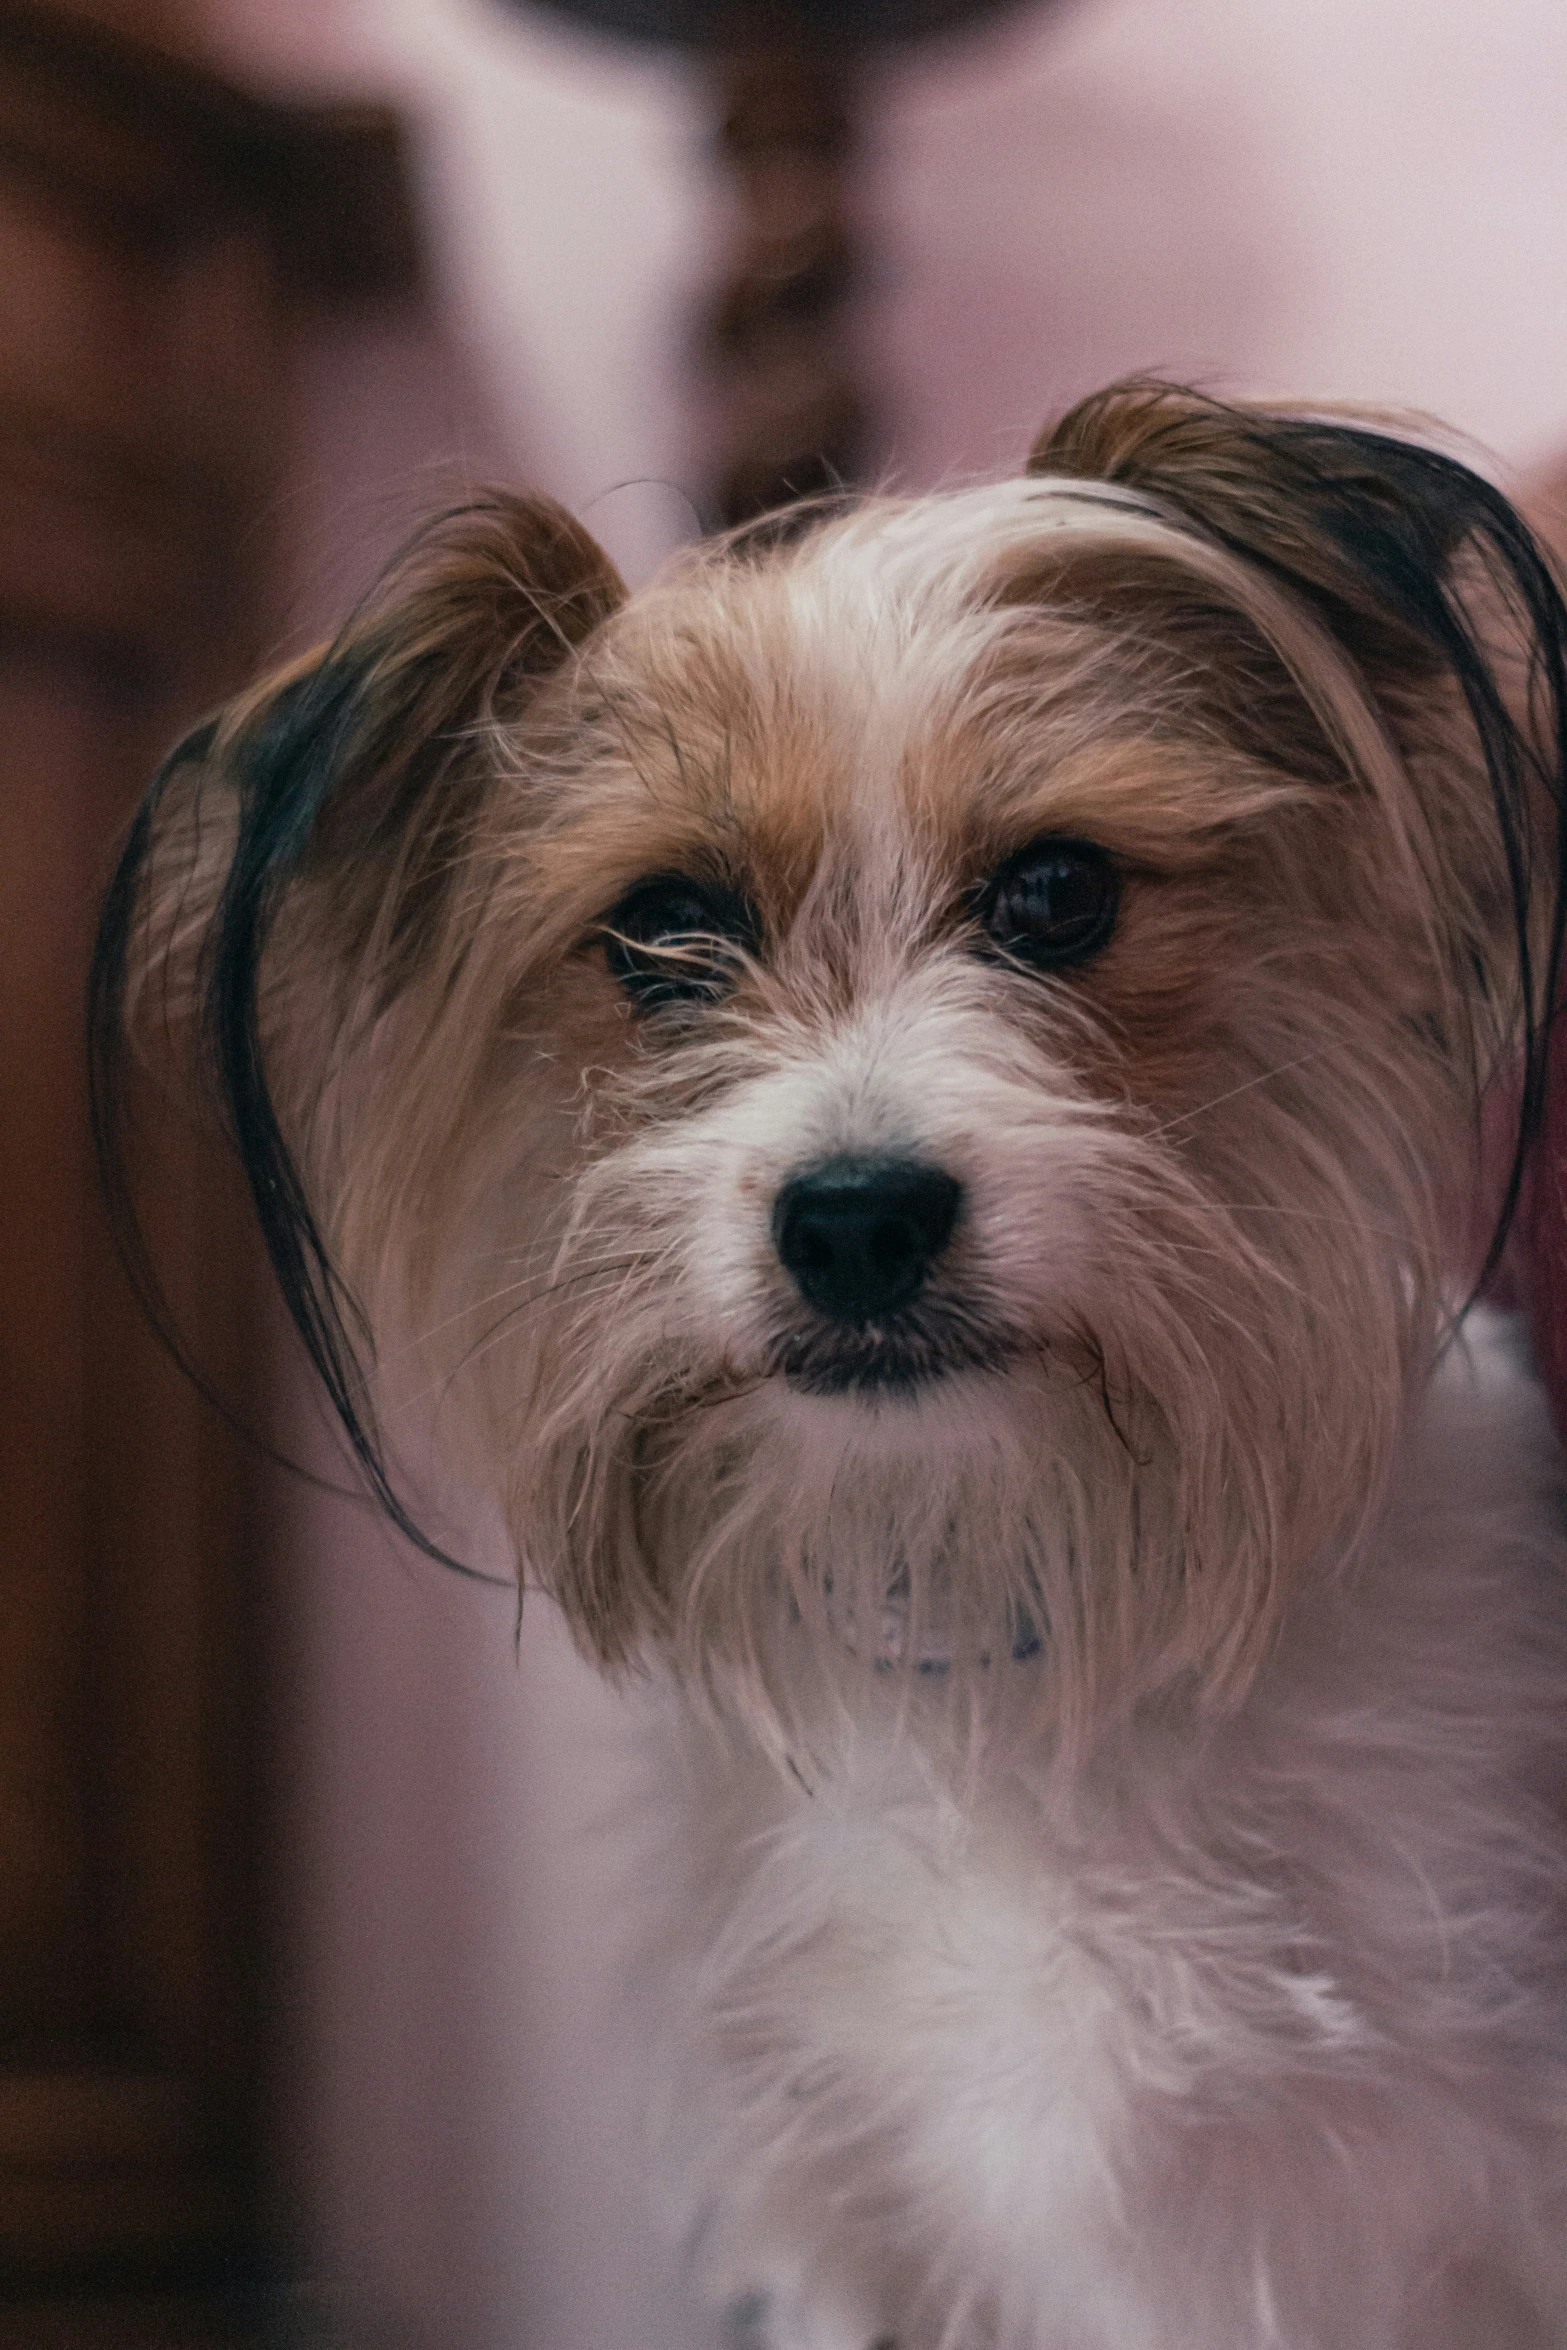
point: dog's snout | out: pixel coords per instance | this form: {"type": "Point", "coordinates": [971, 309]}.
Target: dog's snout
{"type": "Point", "coordinates": [859, 1235]}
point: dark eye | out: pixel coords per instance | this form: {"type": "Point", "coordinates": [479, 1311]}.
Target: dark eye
{"type": "Point", "coordinates": [1053, 903]}
{"type": "Point", "coordinates": [673, 940]}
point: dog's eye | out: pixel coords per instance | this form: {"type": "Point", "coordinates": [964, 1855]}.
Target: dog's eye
{"type": "Point", "coordinates": [1053, 903]}
{"type": "Point", "coordinates": [673, 940]}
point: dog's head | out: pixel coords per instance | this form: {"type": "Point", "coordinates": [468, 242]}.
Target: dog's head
{"type": "Point", "coordinates": [916, 1079]}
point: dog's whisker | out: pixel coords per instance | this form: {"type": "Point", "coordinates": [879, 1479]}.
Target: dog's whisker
{"type": "Point", "coordinates": [505, 1323]}
{"type": "Point", "coordinates": [1233, 1093]}
{"type": "Point", "coordinates": [577, 1271]}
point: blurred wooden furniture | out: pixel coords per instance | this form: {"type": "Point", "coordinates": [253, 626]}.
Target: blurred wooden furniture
{"type": "Point", "coordinates": [160, 236]}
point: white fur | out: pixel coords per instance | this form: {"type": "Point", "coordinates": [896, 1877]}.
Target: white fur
{"type": "Point", "coordinates": [1253, 2036]}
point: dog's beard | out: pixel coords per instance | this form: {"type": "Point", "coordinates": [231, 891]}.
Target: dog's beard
{"type": "Point", "coordinates": [1116, 1491]}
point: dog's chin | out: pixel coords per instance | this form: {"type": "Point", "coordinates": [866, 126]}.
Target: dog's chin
{"type": "Point", "coordinates": [893, 1360]}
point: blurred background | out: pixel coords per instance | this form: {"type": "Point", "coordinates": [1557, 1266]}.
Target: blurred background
{"type": "Point", "coordinates": [319, 2009]}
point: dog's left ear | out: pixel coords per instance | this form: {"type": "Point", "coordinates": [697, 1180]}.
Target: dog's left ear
{"type": "Point", "coordinates": [299, 864]}
{"type": "Point", "coordinates": [1370, 530]}
{"type": "Point", "coordinates": [1421, 572]}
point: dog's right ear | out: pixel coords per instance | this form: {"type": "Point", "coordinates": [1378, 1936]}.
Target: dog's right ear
{"type": "Point", "coordinates": [292, 868]}
{"type": "Point", "coordinates": [1439, 593]}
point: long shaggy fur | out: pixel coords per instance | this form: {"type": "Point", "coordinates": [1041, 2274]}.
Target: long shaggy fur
{"type": "Point", "coordinates": [1123, 1689]}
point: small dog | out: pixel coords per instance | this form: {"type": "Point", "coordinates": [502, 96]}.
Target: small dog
{"type": "Point", "coordinates": [920, 1081]}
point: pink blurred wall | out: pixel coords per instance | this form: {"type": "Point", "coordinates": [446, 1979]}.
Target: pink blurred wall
{"type": "Point", "coordinates": [1361, 198]}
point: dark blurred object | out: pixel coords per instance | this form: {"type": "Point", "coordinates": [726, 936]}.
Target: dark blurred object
{"type": "Point", "coordinates": [744, 24]}
{"type": "Point", "coordinates": [1538, 1252]}
{"type": "Point", "coordinates": [788, 416]}
{"type": "Point", "coordinates": [171, 156]}
{"type": "Point", "coordinates": [161, 235]}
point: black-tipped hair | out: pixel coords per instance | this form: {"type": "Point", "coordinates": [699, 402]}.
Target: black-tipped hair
{"type": "Point", "coordinates": [362, 771]}
{"type": "Point", "coordinates": [1414, 563]}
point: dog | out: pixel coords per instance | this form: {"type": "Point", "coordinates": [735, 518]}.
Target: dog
{"type": "Point", "coordinates": [921, 1084]}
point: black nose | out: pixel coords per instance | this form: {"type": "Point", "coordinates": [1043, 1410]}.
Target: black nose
{"type": "Point", "coordinates": [860, 1235]}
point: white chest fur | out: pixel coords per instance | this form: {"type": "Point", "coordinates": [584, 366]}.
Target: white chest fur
{"type": "Point", "coordinates": [1256, 2035]}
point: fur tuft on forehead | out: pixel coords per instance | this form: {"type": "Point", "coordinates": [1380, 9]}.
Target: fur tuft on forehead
{"type": "Point", "coordinates": [537, 940]}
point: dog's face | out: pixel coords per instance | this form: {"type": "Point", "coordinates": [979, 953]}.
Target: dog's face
{"type": "Point", "coordinates": [913, 1078]}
